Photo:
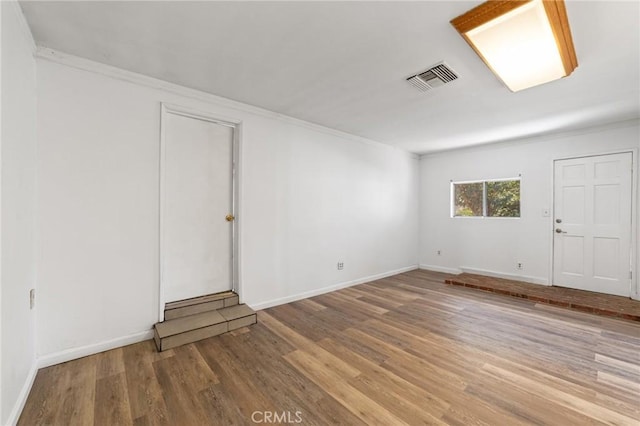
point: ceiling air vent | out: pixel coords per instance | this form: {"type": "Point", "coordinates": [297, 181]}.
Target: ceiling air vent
{"type": "Point", "coordinates": [433, 77]}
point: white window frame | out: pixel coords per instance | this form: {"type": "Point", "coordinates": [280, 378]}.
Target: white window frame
{"type": "Point", "coordinates": [452, 201]}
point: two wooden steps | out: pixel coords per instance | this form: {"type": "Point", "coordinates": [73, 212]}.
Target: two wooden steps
{"type": "Point", "coordinates": [190, 320]}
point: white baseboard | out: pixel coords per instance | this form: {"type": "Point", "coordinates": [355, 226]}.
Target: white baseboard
{"type": "Point", "coordinates": [24, 394]}
{"type": "Point", "coordinates": [437, 268]}
{"type": "Point", "coordinates": [317, 292]}
{"type": "Point", "coordinates": [68, 355]}
{"type": "Point", "coordinates": [79, 352]}
{"type": "Point", "coordinates": [495, 274]}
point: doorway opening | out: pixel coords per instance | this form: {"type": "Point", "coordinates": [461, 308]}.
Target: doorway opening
{"type": "Point", "coordinates": [198, 205]}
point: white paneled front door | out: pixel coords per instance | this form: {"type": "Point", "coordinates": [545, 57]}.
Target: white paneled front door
{"type": "Point", "coordinates": [592, 223]}
{"type": "Point", "coordinates": [196, 206]}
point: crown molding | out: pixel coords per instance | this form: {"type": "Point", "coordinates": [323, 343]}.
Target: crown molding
{"type": "Point", "coordinates": [22, 23]}
{"type": "Point", "coordinates": [543, 137]}
{"type": "Point", "coordinates": [77, 62]}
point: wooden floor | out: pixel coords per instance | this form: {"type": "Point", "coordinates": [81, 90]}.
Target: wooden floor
{"type": "Point", "coordinates": [402, 350]}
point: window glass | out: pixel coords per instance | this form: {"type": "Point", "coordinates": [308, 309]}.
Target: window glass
{"type": "Point", "coordinates": [468, 199]}
{"type": "Point", "coordinates": [503, 198]}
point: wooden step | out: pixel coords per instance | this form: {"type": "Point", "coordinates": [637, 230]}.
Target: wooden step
{"type": "Point", "coordinates": [238, 316]}
{"type": "Point", "coordinates": [196, 305]}
{"type": "Point", "coordinates": [191, 328]}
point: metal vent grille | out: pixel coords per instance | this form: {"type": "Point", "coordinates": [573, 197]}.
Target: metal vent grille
{"type": "Point", "coordinates": [444, 73]}
{"type": "Point", "coordinates": [435, 76]}
{"type": "Point", "coordinates": [419, 83]}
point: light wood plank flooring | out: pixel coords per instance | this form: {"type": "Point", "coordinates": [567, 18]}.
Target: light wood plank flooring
{"type": "Point", "coordinates": [402, 350]}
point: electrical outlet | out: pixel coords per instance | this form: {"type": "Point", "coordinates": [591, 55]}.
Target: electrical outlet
{"type": "Point", "coordinates": [340, 266]}
{"type": "Point", "coordinates": [32, 298]}
{"type": "Point", "coordinates": [439, 253]}
{"type": "Point", "coordinates": [519, 265]}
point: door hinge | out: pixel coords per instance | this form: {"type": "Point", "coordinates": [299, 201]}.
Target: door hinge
{"type": "Point", "coordinates": [630, 275]}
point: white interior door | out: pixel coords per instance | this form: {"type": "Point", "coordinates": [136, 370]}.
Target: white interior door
{"type": "Point", "coordinates": [196, 197]}
{"type": "Point", "coordinates": [592, 223]}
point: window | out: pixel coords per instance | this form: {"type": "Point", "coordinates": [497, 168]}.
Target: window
{"type": "Point", "coordinates": [490, 198]}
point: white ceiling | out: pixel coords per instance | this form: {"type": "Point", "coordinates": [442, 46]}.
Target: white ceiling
{"type": "Point", "coordinates": [344, 64]}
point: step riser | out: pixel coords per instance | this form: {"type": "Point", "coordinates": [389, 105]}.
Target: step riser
{"type": "Point", "coordinates": [184, 338]}
{"type": "Point", "coordinates": [170, 314]}
{"type": "Point", "coordinates": [242, 322]}
{"type": "Point", "coordinates": [231, 301]}
{"type": "Point", "coordinates": [193, 336]}
{"type": "Point", "coordinates": [195, 309]}
{"type": "Point", "coordinates": [156, 339]}
{"type": "Point", "coordinates": [202, 299]}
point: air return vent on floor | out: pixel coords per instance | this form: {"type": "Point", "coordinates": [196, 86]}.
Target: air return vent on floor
{"type": "Point", "coordinates": [435, 76]}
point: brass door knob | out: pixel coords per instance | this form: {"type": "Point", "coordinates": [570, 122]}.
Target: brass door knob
{"type": "Point", "coordinates": [229, 218]}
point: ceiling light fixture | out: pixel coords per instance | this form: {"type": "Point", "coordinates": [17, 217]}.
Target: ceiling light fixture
{"type": "Point", "coordinates": [525, 43]}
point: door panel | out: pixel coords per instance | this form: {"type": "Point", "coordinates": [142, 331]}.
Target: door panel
{"type": "Point", "coordinates": [592, 238]}
{"type": "Point", "coordinates": [572, 258]}
{"type": "Point", "coordinates": [606, 205]}
{"type": "Point", "coordinates": [197, 194]}
{"type": "Point", "coordinates": [606, 252]}
{"type": "Point", "coordinates": [574, 203]}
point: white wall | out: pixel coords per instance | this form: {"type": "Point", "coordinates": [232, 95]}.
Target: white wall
{"type": "Point", "coordinates": [309, 198]}
{"type": "Point", "coordinates": [496, 245]}
{"type": "Point", "coordinates": [18, 204]}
